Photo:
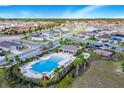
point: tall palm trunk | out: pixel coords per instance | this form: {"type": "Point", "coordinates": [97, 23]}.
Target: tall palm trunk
{"type": "Point", "coordinates": [77, 69]}
{"type": "Point", "coordinates": [84, 65]}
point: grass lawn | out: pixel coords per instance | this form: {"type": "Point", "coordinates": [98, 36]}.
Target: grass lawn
{"type": "Point", "coordinates": [6, 53]}
{"type": "Point", "coordinates": [23, 48]}
{"type": "Point", "coordinates": [101, 74]}
{"type": "Point", "coordinates": [65, 82]}
{"type": "Point", "coordinates": [2, 72]}
{"type": "Point", "coordinates": [95, 56]}
{"type": "Point", "coordinates": [92, 39]}
{"type": "Point", "coordinates": [5, 82]}
{"type": "Point", "coordinates": [2, 81]}
{"type": "Point", "coordinates": [120, 44]}
{"type": "Point", "coordinates": [117, 64]}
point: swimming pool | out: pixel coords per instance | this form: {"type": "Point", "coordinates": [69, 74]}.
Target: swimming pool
{"type": "Point", "coordinates": [47, 65]}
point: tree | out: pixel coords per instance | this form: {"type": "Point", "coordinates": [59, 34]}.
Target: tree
{"type": "Point", "coordinates": [56, 71]}
{"type": "Point", "coordinates": [81, 56]}
{"type": "Point", "coordinates": [83, 60]}
{"type": "Point", "coordinates": [24, 33]}
{"type": "Point", "coordinates": [30, 31]}
{"type": "Point", "coordinates": [79, 52]}
{"type": "Point", "coordinates": [7, 61]}
{"type": "Point", "coordinates": [61, 40]}
{"type": "Point", "coordinates": [122, 66]}
{"type": "Point", "coordinates": [82, 44]}
{"type": "Point", "coordinates": [113, 49]}
{"type": "Point", "coordinates": [76, 64]}
{"type": "Point", "coordinates": [93, 38]}
{"type": "Point", "coordinates": [27, 60]}
{"type": "Point", "coordinates": [6, 58]}
{"type": "Point", "coordinates": [45, 82]}
{"type": "Point", "coordinates": [17, 58]}
{"type": "Point", "coordinates": [59, 72]}
{"type": "Point", "coordinates": [65, 82]}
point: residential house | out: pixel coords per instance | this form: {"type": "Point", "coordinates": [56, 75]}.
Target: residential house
{"type": "Point", "coordinates": [54, 42]}
{"type": "Point", "coordinates": [8, 46]}
{"type": "Point", "coordinates": [69, 49]}
{"type": "Point", "coordinates": [102, 52]}
{"type": "Point", "coordinates": [39, 37]}
{"type": "Point", "coordinates": [104, 37]}
{"type": "Point", "coordinates": [21, 28]}
{"type": "Point", "coordinates": [118, 37]}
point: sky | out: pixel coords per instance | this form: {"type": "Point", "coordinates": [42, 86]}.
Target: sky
{"type": "Point", "coordinates": [61, 11]}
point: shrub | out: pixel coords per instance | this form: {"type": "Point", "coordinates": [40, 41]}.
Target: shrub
{"type": "Point", "coordinates": [122, 66]}
{"type": "Point", "coordinates": [65, 82]}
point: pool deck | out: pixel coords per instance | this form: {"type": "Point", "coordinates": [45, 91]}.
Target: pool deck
{"type": "Point", "coordinates": [27, 69]}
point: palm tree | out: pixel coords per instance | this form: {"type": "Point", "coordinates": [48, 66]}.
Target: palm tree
{"type": "Point", "coordinates": [79, 52]}
{"type": "Point", "coordinates": [82, 44]}
{"type": "Point", "coordinates": [81, 56]}
{"type": "Point", "coordinates": [17, 59]}
{"type": "Point", "coordinates": [24, 33]}
{"type": "Point", "coordinates": [122, 66]}
{"type": "Point", "coordinates": [27, 60]}
{"type": "Point", "coordinates": [30, 31]}
{"type": "Point", "coordinates": [61, 40]}
{"type": "Point", "coordinates": [61, 72]}
{"type": "Point", "coordinates": [83, 60]}
{"type": "Point", "coordinates": [6, 58]}
{"type": "Point", "coordinates": [56, 72]}
{"type": "Point", "coordinates": [76, 64]}
{"type": "Point", "coordinates": [85, 63]}
{"type": "Point", "coordinates": [92, 48]}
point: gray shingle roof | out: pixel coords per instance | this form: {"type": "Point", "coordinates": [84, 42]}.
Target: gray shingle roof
{"type": "Point", "coordinates": [119, 35]}
{"type": "Point", "coordinates": [71, 48]}
{"type": "Point", "coordinates": [8, 44]}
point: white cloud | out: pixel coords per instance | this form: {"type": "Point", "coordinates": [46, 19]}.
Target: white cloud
{"type": "Point", "coordinates": [25, 13]}
{"type": "Point", "coordinates": [79, 13]}
{"type": "Point", "coordinates": [67, 13]}
{"type": "Point", "coordinates": [119, 16]}
{"type": "Point", "coordinates": [7, 15]}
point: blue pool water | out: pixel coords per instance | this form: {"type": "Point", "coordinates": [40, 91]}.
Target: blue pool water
{"type": "Point", "coordinates": [47, 65]}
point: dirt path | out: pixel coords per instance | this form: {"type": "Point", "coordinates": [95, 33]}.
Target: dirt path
{"type": "Point", "coordinates": [100, 75]}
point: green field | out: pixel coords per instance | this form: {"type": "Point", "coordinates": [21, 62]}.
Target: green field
{"type": "Point", "coordinates": [101, 74]}
{"type": "Point", "coordinates": [3, 82]}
